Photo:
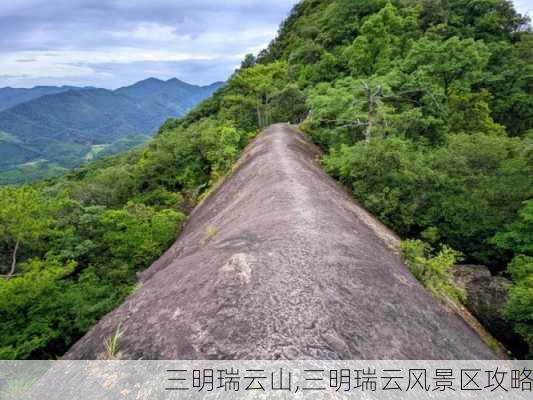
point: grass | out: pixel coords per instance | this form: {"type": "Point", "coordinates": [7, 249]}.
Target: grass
{"type": "Point", "coordinates": [138, 286]}
{"type": "Point", "coordinates": [210, 233]}
{"type": "Point", "coordinates": [112, 344]}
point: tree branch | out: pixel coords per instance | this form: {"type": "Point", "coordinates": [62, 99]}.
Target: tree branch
{"type": "Point", "coordinates": [13, 262]}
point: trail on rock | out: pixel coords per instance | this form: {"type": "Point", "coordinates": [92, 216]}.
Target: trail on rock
{"type": "Point", "coordinates": [279, 262]}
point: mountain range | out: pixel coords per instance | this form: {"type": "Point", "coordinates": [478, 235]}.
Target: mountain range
{"type": "Point", "coordinates": [10, 97]}
{"type": "Point", "coordinates": [47, 129]}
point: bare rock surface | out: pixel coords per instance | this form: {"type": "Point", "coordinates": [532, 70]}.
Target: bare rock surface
{"type": "Point", "coordinates": [279, 262]}
{"type": "Point", "coordinates": [486, 297]}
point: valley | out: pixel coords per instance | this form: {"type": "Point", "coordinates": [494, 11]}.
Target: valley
{"type": "Point", "coordinates": [45, 131]}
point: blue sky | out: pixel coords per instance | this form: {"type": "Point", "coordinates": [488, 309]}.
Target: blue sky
{"type": "Point", "coordinates": [112, 43]}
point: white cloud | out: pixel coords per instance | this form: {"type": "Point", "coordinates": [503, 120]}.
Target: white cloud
{"type": "Point", "coordinates": [149, 31]}
{"type": "Point", "coordinates": [73, 41]}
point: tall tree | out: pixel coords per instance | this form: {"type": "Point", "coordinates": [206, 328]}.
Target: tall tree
{"type": "Point", "coordinates": [259, 84]}
{"type": "Point", "coordinates": [26, 216]}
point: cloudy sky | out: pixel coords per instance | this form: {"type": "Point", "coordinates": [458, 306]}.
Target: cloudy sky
{"type": "Point", "coordinates": [111, 43]}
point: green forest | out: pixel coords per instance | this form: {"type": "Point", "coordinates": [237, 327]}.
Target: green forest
{"type": "Point", "coordinates": [47, 135]}
{"type": "Point", "coordinates": [423, 109]}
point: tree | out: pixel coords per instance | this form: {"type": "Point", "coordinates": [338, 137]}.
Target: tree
{"type": "Point", "coordinates": [339, 24]}
{"type": "Point", "coordinates": [26, 216]}
{"type": "Point", "coordinates": [249, 61]}
{"type": "Point", "coordinates": [454, 64]}
{"type": "Point", "coordinates": [138, 234]}
{"type": "Point", "coordinates": [518, 236]}
{"type": "Point", "coordinates": [220, 144]}
{"type": "Point", "coordinates": [21, 334]}
{"type": "Point", "coordinates": [508, 79]}
{"type": "Point", "coordinates": [519, 307]}
{"type": "Point", "coordinates": [486, 19]}
{"type": "Point", "coordinates": [377, 45]}
{"type": "Point", "coordinates": [470, 112]}
{"type": "Point", "coordinates": [289, 105]}
{"type": "Point", "coordinates": [258, 84]}
{"type": "Point", "coordinates": [466, 189]}
{"type": "Point", "coordinates": [353, 104]}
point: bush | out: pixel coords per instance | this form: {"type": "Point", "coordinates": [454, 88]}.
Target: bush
{"type": "Point", "coordinates": [517, 239]}
{"type": "Point", "coordinates": [138, 234]}
{"type": "Point", "coordinates": [434, 271]}
{"type": "Point", "coordinates": [519, 307]}
{"type": "Point", "coordinates": [465, 190]}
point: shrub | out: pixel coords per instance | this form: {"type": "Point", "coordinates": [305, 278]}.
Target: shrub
{"type": "Point", "coordinates": [519, 308]}
{"type": "Point", "coordinates": [434, 271]}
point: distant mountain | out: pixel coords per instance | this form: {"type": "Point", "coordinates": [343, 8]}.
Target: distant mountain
{"type": "Point", "coordinates": [10, 97]}
{"type": "Point", "coordinates": [173, 95]}
{"type": "Point", "coordinates": [60, 126]}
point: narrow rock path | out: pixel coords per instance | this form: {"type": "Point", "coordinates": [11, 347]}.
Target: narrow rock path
{"type": "Point", "coordinates": [280, 263]}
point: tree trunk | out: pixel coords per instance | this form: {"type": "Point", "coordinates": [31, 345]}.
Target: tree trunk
{"type": "Point", "coordinates": [370, 117]}
{"type": "Point", "coordinates": [259, 114]}
{"type": "Point", "coordinates": [368, 131]}
{"type": "Point", "coordinates": [13, 261]}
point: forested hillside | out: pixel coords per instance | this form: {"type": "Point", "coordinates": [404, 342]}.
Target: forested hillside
{"type": "Point", "coordinates": [10, 97]}
{"type": "Point", "coordinates": [61, 129]}
{"type": "Point", "coordinates": [423, 109]}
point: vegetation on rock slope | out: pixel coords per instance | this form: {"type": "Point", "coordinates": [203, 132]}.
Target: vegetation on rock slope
{"type": "Point", "coordinates": [423, 109]}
